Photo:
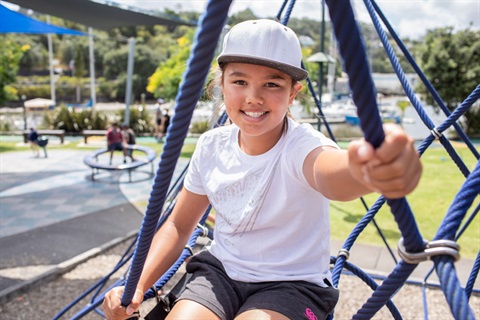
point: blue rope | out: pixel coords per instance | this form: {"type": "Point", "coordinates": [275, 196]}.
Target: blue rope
{"type": "Point", "coordinates": [349, 242]}
{"type": "Point", "coordinates": [463, 200]}
{"type": "Point", "coordinates": [456, 297]}
{"type": "Point", "coordinates": [424, 79]}
{"type": "Point", "coordinates": [452, 118]}
{"type": "Point", "coordinates": [99, 284]}
{"type": "Point", "coordinates": [383, 293]}
{"type": "Point", "coordinates": [363, 93]}
{"type": "Point", "coordinates": [280, 12]}
{"type": "Point", "coordinates": [318, 104]}
{"type": "Point", "coordinates": [351, 47]}
{"type": "Point", "coordinates": [406, 86]}
{"type": "Point", "coordinates": [450, 284]}
{"type": "Point", "coordinates": [473, 276]}
{"type": "Point", "coordinates": [364, 96]}
{"type": "Point", "coordinates": [370, 282]}
{"type": "Point", "coordinates": [288, 13]}
{"type": "Point", "coordinates": [203, 50]}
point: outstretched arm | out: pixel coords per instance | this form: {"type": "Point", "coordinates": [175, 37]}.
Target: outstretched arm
{"type": "Point", "coordinates": [393, 169]}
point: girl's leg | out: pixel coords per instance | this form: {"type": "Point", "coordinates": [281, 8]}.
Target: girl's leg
{"type": "Point", "coordinates": [191, 310]}
{"type": "Point", "coordinates": [261, 315]}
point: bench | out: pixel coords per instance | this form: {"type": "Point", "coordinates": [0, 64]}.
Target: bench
{"type": "Point", "coordinates": [93, 133]}
{"type": "Point", "coordinates": [91, 160]}
{"type": "Point", "coordinates": [57, 133]}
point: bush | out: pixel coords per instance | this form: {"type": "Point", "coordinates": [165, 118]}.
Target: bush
{"type": "Point", "coordinates": [139, 119]}
{"type": "Point", "coordinates": [66, 118]}
{"type": "Point", "coordinates": [200, 127]}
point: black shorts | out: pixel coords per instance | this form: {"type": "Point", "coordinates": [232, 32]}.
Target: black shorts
{"type": "Point", "coordinates": [117, 146]}
{"type": "Point", "coordinates": [211, 287]}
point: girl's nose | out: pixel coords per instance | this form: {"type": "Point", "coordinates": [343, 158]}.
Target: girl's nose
{"type": "Point", "coordinates": [254, 96]}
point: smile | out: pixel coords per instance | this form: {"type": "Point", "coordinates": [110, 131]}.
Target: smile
{"type": "Point", "coordinates": [254, 114]}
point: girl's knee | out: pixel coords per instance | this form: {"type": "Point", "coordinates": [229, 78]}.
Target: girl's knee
{"type": "Point", "coordinates": [188, 309]}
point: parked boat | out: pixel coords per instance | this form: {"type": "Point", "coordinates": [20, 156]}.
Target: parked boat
{"type": "Point", "coordinates": [338, 110]}
{"type": "Point", "coordinates": [388, 112]}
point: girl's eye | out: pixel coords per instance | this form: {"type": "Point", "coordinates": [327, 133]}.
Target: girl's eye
{"type": "Point", "coordinates": [239, 82]}
{"type": "Point", "coordinates": [271, 85]}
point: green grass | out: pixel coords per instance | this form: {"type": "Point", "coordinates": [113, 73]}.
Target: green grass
{"type": "Point", "coordinates": [8, 146]}
{"type": "Point", "coordinates": [440, 182]}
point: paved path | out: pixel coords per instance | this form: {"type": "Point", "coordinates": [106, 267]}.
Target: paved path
{"type": "Point", "coordinates": [52, 214]}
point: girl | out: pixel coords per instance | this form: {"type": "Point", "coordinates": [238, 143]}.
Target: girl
{"type": "Point", "coordinates": [270, 180]}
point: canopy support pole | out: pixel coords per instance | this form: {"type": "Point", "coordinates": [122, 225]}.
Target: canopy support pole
{"type": "Point", "coordinates": [128, 92]}
{"type": "Point", "coordinates": [93, 95]}
{"type": "Point", "coordinates": [50, 59]}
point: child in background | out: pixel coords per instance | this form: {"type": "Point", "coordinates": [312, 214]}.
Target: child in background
{"type": "Point", "coordinates": [129, 140]}
{"type": "Point", "coordinates": [115, 141]}
{"type": "Point", "coordinates": [270, 180]}
{"type": "Point", "coordinates": [33, 138]}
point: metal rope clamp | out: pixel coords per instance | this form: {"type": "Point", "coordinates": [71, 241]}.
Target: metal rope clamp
{"type": "Point", "coordinates": [162, 301]}
{"type": "Point", "coordinates": [343, 252]}
{"type": "Point", "coordinates": [204, 230]}
{"type": "Point", "coordinates": [432, 248]}
{"type": "Point", "coordinates": [436, 133]}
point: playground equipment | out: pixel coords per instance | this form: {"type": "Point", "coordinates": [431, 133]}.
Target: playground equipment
{"type": "Point", "coordinates": [91, 160]}
{"type": "Point", "coordinates": [413, 249]}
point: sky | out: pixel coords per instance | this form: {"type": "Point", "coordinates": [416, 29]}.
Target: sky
{"type": "Point", "coordinates": [409, 18]}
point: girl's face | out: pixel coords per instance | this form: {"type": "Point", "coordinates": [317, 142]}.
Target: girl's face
{"type": "Point", "coordinates": [257, 99]}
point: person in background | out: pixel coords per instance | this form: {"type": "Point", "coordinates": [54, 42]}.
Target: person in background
{"type": "Point", "coordinates": [165, 123]}
{"type": "Point", "coordinates": [33, 139]}
{"type": "Point", "coordinates": [129, 140]}
{"type": "Point", "coordinates": [158, 116]}
{"type": "Point", "coordinates": [115, 141]}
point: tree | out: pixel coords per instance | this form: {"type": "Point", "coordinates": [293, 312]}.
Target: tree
{"type": "Point", "coordinates": [10, 54]}
{"type": "Point", "coordinates": [165, 81]}
{"type": "Point", "coordinates": [451, 61]}
{"type": "Point", "coordinates": [145, 62]}
{"type": "Point", "coordinates": [79, 68]}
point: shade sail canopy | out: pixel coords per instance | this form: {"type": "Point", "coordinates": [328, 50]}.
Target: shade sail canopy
{"type": "Point", "coordinates": [14, 22]}
{"type": "Point", "coordinates": [99, 14]}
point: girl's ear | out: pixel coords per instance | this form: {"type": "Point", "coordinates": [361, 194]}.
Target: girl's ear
{"type": "Point", "coordinates": [295, 90]}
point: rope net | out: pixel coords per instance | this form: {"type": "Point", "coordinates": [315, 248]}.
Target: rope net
{"type": "Point", "coordinates": [413, 249]}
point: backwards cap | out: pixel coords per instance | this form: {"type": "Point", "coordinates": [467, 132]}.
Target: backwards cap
{"type": "Point", "coordinates": [264, 42]}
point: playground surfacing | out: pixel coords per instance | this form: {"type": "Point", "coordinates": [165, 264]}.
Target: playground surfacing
{"type": "Point", "coordinates": [52, 212]}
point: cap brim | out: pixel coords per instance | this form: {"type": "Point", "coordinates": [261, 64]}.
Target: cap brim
{"type": "Point", "coordinates": [297, 74]}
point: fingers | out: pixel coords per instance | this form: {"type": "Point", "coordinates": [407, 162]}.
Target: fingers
{"type": "Point", "coordinates": [136, 301]}
{"type": "Point", "coordinates": [393, 169]}
{"type": "Point", "coordinates": [113, 308]}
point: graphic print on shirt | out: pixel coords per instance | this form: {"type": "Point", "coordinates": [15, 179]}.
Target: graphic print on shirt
{"type": "Point", "coordinates": [240, 215]}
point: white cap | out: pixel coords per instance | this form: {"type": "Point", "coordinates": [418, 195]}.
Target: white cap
{"type": "Point", "coordinates": [264, 42]}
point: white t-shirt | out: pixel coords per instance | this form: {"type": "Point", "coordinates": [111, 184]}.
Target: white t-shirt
{"type": "Point", "coordinates": [270, 224]}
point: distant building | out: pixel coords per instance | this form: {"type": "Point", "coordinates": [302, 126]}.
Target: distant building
{"type": "Point", "coordinates": [388, 83]}
{"type": "Point", "coordinates": [385, 83]}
